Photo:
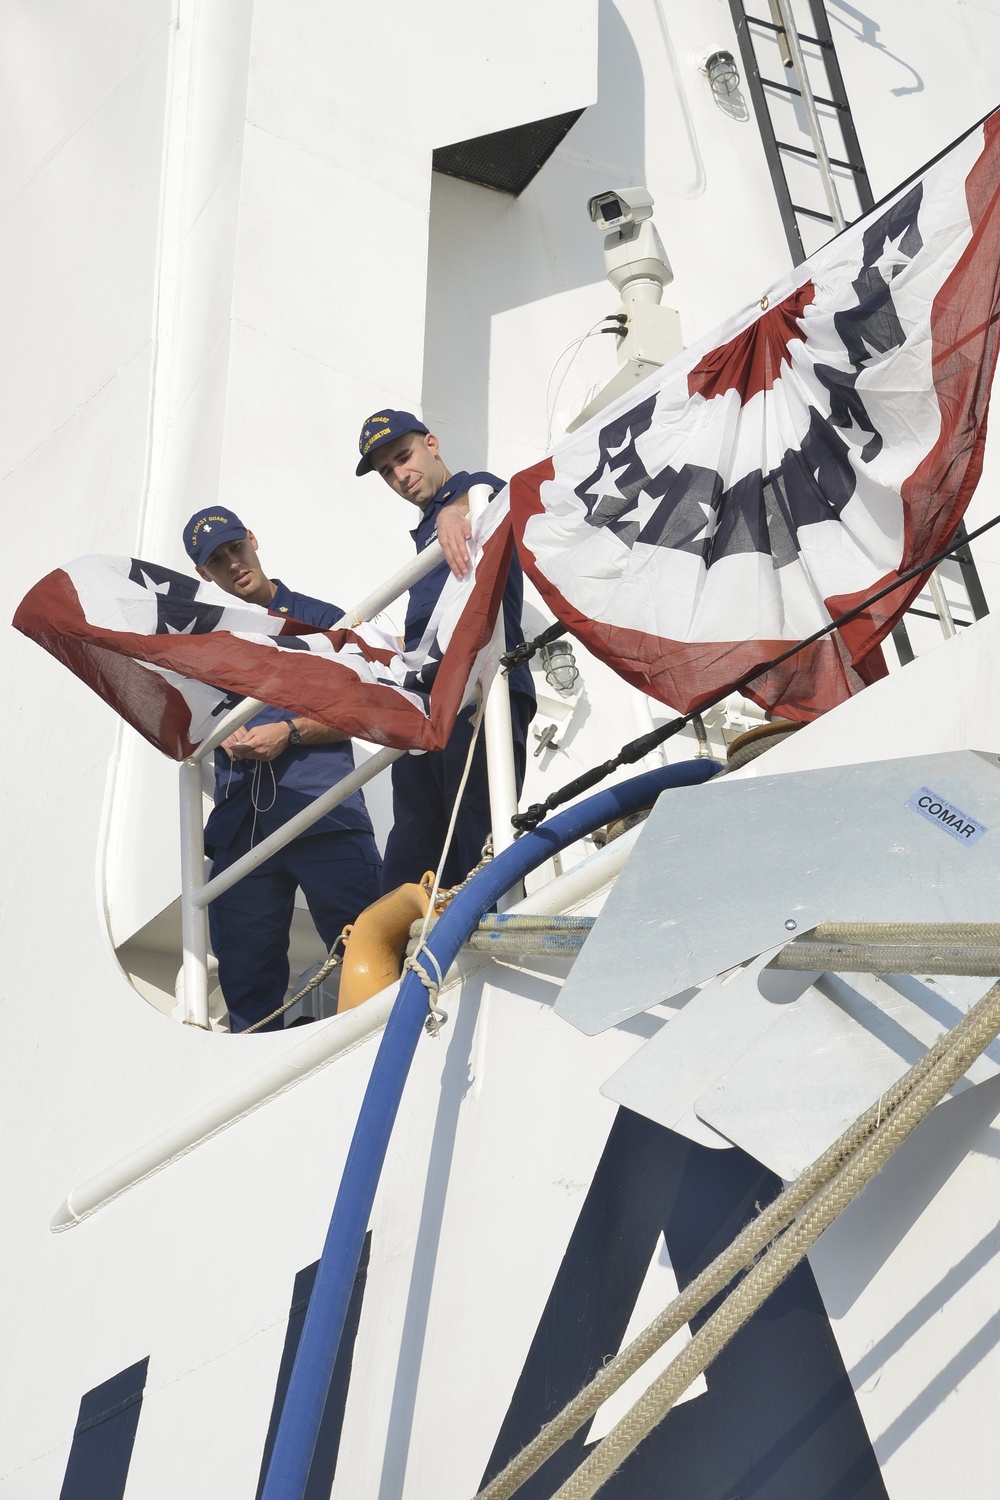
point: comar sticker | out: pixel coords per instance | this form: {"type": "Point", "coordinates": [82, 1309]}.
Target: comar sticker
{"type": "Point", "coordinates": [946, 815]}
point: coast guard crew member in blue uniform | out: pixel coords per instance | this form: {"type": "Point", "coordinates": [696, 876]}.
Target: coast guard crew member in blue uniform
{"type": "Point", "coordinates": [266, 772]}
{"type": "Point", "coordinates": [398, 447]}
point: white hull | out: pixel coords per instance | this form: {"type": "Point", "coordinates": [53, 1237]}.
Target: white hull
{"type": "Point", "coordinates": [222, 247]}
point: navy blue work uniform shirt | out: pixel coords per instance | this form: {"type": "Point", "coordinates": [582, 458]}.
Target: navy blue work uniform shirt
{"type": "Point", "coordinates": [300, 774]}
{"type": "Point", "coordinates": [424, 593]}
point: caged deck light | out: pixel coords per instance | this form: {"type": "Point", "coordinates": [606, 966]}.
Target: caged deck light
{"type": "Point", "coordinates": [723, 74]}
{"type": "Point", "coordinates": [559, 664]}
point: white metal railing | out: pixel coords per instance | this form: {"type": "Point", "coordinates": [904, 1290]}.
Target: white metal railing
{"type": "Point", "coordinates": [319, 1046]}
{"type": "Point", "coordinates": [372, 605]}
{"type": "Point", "coordinates": [197, 892]}
{"type": "Point", "coordinates": [942, 606]}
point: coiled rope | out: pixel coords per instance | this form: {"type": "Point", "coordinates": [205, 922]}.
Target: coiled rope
{"type": "Point", "coordinates": [790, 1226]}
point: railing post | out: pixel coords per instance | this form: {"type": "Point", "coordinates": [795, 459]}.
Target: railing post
{"type": "Point", "coordinates": [196, 892]}
{"type": "Point", "coordinates": [500, 751]}
{"type": "Point", "coordinates": [208, 890]}
{"type": "Point", "coordinates": [374, 603]}
{"type": "Point", "coordinates": [194, 918]}
{"type": "Point", "coordinates": [942, 606]}
{"type": "Point", "coordinates": [812, 116]}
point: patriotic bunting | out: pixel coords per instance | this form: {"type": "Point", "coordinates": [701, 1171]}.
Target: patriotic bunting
{"type": "Point", "coordinates": [172, 654]}
{"type": "Point", "coordinates": [817, 445]}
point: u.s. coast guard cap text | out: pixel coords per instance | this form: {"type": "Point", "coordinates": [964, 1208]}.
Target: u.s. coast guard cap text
{"type": "Point", "coordinates": [208, 529]}
{"type": "Point", "coordinates": [380, 428]}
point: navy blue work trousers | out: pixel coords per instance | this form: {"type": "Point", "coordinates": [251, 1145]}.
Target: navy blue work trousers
{"type": "Point", "coordinates": [424, 788]}
{"type": "Point", "coordinates": [249, 924]}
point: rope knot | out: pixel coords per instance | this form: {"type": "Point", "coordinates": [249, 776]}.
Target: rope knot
{"type": "Point", "coordinates": [435, 1016]}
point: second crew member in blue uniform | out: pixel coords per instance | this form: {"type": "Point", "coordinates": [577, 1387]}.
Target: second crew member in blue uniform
{"type": "Point", "coordinates": [264, 774]}
{"type": "Point", "coordinates": [399, 448]}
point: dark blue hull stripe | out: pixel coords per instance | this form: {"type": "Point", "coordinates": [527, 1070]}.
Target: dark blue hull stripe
{"type": "Point", "coordinates": [324, 1464]}
{"type": "Point", "coordinates": [104, 1437]}
{"type": "Point", "coordinates": [779, 1420]}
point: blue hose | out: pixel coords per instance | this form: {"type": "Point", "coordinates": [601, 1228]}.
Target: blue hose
{"type": "Point", "coordinates": [302, 1412]}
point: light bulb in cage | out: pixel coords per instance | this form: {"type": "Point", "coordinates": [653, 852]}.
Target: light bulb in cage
{"type": "Point", "coordinates": [559, 664]}
{"type": "Point", "coordinates": [723, 74]}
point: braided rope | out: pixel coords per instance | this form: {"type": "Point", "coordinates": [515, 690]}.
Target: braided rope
{"type": "Point", "coordinates": [435, 1017]}
{"type": "Point", "coordinates": [969, 1038]}
{"type": "Point", "coordinates": [905, 932]}
{"type": "Point", "coordinates": [443, 897]}
{"type": "Point", "coordinates": [332, 961]}
{"type": "Point", "coordinates": [976, 959]}
{"type": "Point", "coordinates": [743, 1251]}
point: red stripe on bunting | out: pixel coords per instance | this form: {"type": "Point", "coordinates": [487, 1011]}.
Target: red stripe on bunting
{"type": "Point", "coordinates": [299, 681]}
{"type": "Point", "coordinates": [688, 674]}
{"type": "Point", "coordinates": [964, 331]}
{"type": "Point", "coordinates": [340, 638]}
{"type": "Point", "coordinates": [472, 632]}
{"type": "Point", "coordinates": [752, 362]}
{"type": "Point", "coordinates": [50, 614]}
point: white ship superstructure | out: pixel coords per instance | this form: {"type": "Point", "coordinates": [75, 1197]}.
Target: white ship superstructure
{"type": "Point", "coordinates": [228, 233]}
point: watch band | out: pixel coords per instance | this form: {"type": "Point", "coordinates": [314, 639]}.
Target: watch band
{"type": "Point", "coordinates": [294, 737]}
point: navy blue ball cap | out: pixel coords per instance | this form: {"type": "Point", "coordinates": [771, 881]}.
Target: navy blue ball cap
{"type": "Point", "coordinates": [380, 428]}
{"type": "Point", "coordinates": [208, 529]}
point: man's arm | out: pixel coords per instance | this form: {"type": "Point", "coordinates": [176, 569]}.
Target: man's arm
{"type": "Point", "coordinates": [267, 741]}
{"type": "Point", "coordinates": [454, 529]}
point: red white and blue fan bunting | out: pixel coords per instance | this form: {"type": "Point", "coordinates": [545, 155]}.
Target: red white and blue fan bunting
{"type": "Point", "coordinates": [817, 445]}
{"type": "Point", "coordinates": [172, 655]}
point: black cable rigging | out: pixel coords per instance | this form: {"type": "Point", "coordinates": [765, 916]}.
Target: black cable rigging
{"type": "Point", "coordinates": [636, 749]}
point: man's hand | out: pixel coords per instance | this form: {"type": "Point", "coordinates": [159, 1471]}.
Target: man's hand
{"type": "Point", "coordinates": [265, 742]}
{"type": "Point", "coordinates": [453, 532]}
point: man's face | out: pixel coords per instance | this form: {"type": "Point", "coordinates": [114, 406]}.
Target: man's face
{"type": "Point", "coordinates": [412, 466]}
{"type": "Point", "coordinates": [235, 568]}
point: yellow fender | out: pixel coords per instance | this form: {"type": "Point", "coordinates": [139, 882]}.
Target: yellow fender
{"type": "Point", "coordinates": [376, 942]}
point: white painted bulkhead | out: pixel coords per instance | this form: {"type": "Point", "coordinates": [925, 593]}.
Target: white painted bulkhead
{"type": "Point", "coordinates": [221, 246]}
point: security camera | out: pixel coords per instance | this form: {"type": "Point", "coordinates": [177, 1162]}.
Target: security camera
{"type": "Point", "coordinates": [621, 207]}
{"type": "Point", "coordinates": [634, 258]}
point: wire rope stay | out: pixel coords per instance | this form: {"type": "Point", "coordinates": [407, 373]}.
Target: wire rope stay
{"type": "Point", "coordinates": [768, 1249]}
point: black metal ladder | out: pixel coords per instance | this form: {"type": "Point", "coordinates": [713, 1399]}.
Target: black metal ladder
{"type": "Point", "coordinates": [962, 570]}
{"type": "Point", "coordinates": [768, 39]}
{"type": "Point", "coordinates": [753, 32]}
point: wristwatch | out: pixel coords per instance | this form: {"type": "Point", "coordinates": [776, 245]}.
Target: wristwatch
{"type": "Point", "coordinates": [294, 738]}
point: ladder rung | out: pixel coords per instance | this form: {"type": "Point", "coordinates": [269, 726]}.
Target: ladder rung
{"type": "Point", "coordinates": [773, 26]}
{"type": "Point", "coordinates": [811, 213]}
{"type": "Point", "coordinates": [802, 151]}
{"type": "Point", "coordinates": [786, 88]}
{"type": "Point", "coordinates": [930, 614]}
